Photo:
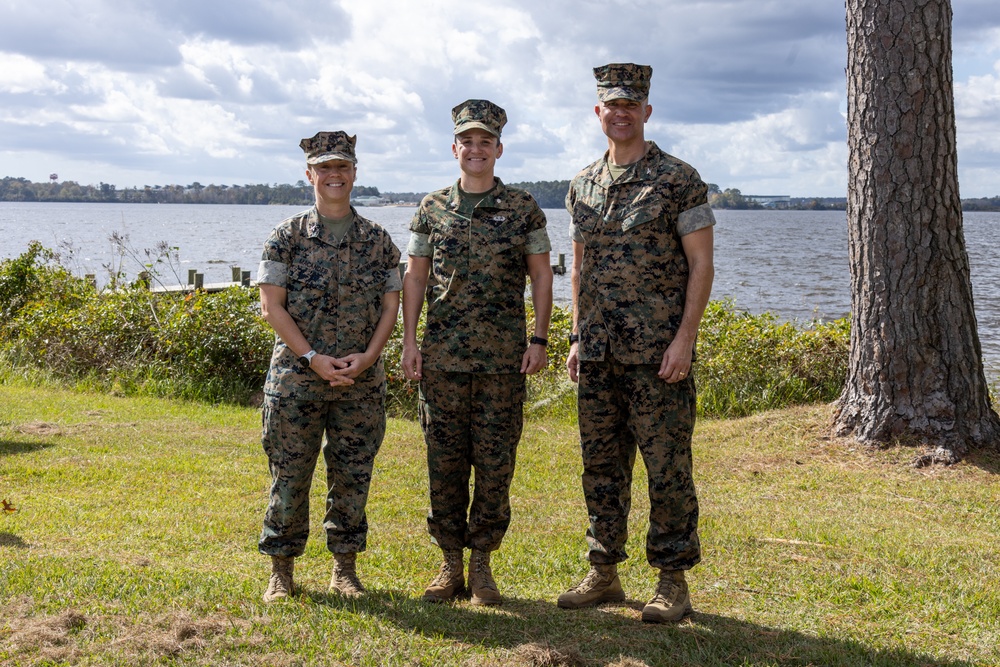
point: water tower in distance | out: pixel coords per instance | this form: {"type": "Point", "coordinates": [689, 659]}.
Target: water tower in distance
{"type": "Point", "coordinates": [53, 177]}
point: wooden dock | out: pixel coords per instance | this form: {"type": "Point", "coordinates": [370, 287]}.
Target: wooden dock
{"type": "Point", "coordinates": [241, 278]}
{"type": "Point", "coordinates": [196, 282]}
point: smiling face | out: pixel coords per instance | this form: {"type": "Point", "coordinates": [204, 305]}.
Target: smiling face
{"type": "Point", "coordinates": [477, 151]}
{"type": "Point", "coordinates": [332, 182]}
{"type": "Point", "coordinates": [623, 120]}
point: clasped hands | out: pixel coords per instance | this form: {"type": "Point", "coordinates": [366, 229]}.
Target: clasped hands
{"type": "Point", "coordinates": [340, 372]}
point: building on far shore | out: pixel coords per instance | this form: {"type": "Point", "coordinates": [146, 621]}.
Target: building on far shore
{"type": "Point", "coordinates": [770, 201]}
{"type": "Point", "coordinates": [368, 201]}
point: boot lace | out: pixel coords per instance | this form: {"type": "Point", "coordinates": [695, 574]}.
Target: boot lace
{"type": "Point", "coordinates": [450, 567]}
{"type": "Point", "coordinates": [668, 591]}
{"type": "Point", "coordinates": [593, 579]}
{"type": "Point", "coordinates": [346, 573]}
{"type": "Point", "coordinates": [278, 584]}
{"type": "Point", "coordinates": [484, 573]}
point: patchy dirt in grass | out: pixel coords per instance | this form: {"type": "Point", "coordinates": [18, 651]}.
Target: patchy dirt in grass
{"type": "Point", "coordinates": [43, 429]}
{"type": "Point", "coordinates": [543, 655]}
{"type": "Point", "coordinates": [68, 637]}
{"type": "Point", "coordinates": [628, 662]}
{"type": "Point", "coordinates": [47, 638]}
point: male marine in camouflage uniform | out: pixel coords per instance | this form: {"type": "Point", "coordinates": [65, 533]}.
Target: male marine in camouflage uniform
{"type": "Point", "coordinates": [329, 286]}
{"type": "Point", "coordinates": [642, 274]}
{"type": "Point", "coordinates": [470, 248]}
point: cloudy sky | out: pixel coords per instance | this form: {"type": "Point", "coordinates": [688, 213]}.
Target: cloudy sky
{"type": "Point", "coordinates": [752, 93]}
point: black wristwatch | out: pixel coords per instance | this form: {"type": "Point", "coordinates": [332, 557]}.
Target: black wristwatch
{"type": "Point", "coordinates": [306, 359]}
{"type": "Point", "coordinates": [535, 340]}
{"type": "Point", "coordinates": [574, 338]}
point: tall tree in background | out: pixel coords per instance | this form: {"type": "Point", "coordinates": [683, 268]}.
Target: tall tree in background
{"type": "Point", "coordinates": [915, 372]}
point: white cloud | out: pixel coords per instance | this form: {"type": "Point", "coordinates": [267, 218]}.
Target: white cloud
{"type": "Point", "coordinates": [798, 151]}
{"type": "Point", "coordinates": [751, 93]}
{"type": "Point", "coordinates": [977, 110]}
{"type": "Point", "coordinates": [20, 74]}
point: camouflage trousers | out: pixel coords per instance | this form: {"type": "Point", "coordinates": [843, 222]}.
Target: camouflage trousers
{"type": "Point", "coordinates": [292, 436]}
{"type": "Point", "coordinates": [623, 407]}
{"type": "Point", "coordinates": [470, 421]}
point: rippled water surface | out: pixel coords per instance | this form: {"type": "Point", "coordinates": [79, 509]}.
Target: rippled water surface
{"type": "Point", "coordinates": [793, 263]}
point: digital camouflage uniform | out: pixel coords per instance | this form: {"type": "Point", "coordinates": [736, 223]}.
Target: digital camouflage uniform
{"type": "Point", "coordinates": [472, 390]}
{"type": "Point", "coordinates": [334, 295]}
{"type": "Point", "coordinates": [631, 298]}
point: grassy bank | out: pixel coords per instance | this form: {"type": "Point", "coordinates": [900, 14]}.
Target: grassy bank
{"type": "Point", "coordinates": [134, 544]}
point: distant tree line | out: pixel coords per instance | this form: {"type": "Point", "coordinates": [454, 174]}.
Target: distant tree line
{"type": "Point", "coordinates": [732, 198]}
{"type": "Point", "coordinates": [981, 204]}
{"type": "Point", "coordinates": [548, 194]}
{"type": "Point", "coordinates": [21, 189]}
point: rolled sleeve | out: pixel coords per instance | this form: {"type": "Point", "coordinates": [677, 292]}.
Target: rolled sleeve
{"type": "Point", "coordinates": [393, 283]}
{"type": "Point", "coordinates": [694, 219]}
{"type": "Point", "coordinates": [537, 242]}
{"type": "Point", "coordinates": [272, 273]}
{"type": "Point", "coordinates": [419, 245]}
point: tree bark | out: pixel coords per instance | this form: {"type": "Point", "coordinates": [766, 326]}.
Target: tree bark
{"type": "Point", "coordinates": [915, 372]}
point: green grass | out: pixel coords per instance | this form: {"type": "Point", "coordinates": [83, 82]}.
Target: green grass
{"type": "Point", "coordinates": [134, 543]}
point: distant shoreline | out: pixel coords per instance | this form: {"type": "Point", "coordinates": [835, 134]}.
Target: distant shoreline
{"type": "Point", "coordinates": [968, 206]}
{"type": "Point", "coordinates": [548, 194]}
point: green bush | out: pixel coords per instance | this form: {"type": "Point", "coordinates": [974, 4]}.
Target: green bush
{"type": "Point", "coordinates": [550, 392]}
{"type": "Point", "coordinates": [749, 363]}
{"type": "Point", "coordinates": [401, 394]}
{"type": "Point", "coordinates": [212, 347]}
{"type": "Point", "coordinates": [217, 343]}
{"type": "Point", "coordinates": [216, 347]}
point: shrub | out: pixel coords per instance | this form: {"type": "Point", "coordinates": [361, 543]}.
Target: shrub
{"type": "Point", "coordinates": [217, 343]}
{"type": "Point", "coordinates": [212, 347]}
{"type": "Point", "coordinates": [748, 363]}
{"type": "Point", "coordinates": [216, 347]}
{"type": "Point", "coordinates": [401, 394]}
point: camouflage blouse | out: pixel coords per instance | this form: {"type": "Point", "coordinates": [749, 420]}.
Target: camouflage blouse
{"type": "Point", "coordinates": [475, 291]}
{"type": "Point", "coordinates": [334, 294]}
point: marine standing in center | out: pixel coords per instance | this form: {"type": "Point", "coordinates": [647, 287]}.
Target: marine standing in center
{"type": "Point", "coordinates": [470, 248]}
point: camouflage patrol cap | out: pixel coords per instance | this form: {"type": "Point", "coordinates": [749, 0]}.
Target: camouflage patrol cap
{"type": "Point", "coordinates": [481, 114]}
{"type": "Point", "coordinates": [326, 146]}
{"type": "Point", "coordinates": [623, 81]}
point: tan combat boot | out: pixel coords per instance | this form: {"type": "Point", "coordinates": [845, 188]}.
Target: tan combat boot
{"type": "Point", "coordinates": [450, 580]}
{"type": "Point", "coordinates": [345, 576]}
{"type": "Point", "coordinates": [484, 589]}
{"type": "Point", "coordinates": [600, 585]}
{"type": "Point", "coordinates": [280, 585]}
{"type": "Point", "coordinates": [671, 602]}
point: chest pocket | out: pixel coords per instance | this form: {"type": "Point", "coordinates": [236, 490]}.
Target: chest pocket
{"type": "Point", "coordinates": [451, 250]}
{"type": "Point", "coordinates": [644, 207]}
{"type": "Point", "coordinates": [306, 275]}
{"type": "Point", "coordinates": [310, 286]}
{"type": "Point", "coordinates": [503, 233]}
{"type": "Point", "coordinates": [366, 268]}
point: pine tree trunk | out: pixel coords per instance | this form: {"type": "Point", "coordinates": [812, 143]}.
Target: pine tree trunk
{"type": "Point", "coordinates": [915, 372]}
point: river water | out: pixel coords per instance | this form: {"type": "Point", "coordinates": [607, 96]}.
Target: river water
{"type": "Point", "coordinates": [792, 263]}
